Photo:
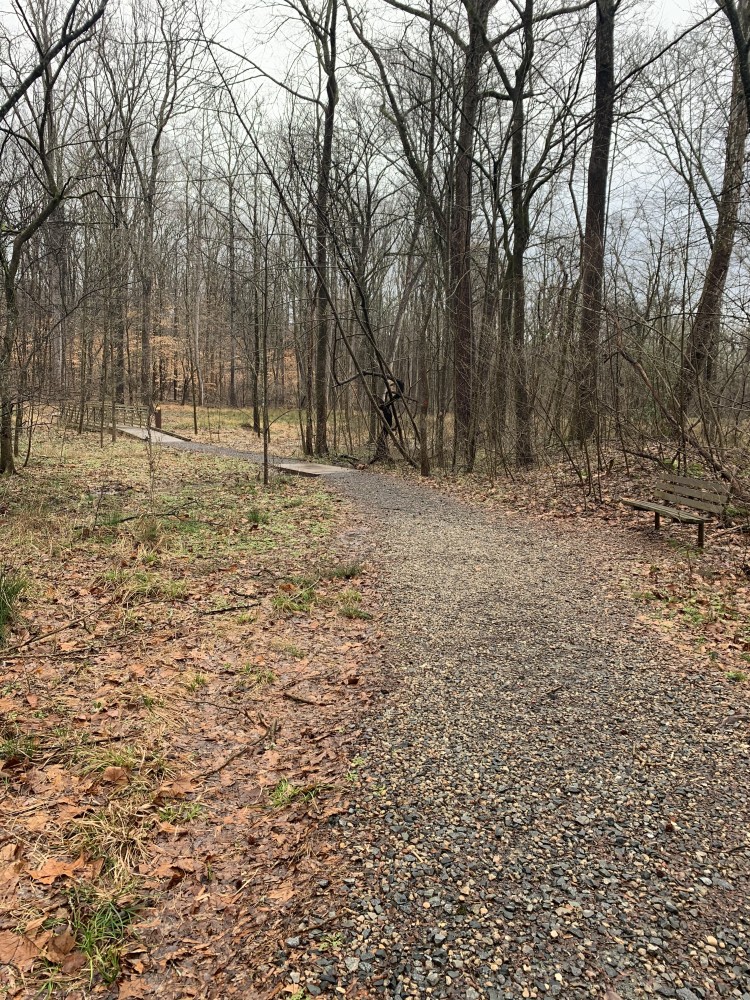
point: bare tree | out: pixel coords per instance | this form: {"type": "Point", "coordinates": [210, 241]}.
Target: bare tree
{"type": "Point", "coordinates": [592, 257]}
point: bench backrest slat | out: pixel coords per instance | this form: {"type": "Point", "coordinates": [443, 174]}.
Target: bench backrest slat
{"type": "Point", "coordinates": [692, 502]}
{"type": "Point", "coordinates": [699, 485]}
{"type": "Point", "coordinates": [697, 494]}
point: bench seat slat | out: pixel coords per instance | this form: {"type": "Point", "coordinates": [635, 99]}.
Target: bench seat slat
{"type": "Point", "coordinates": [657, 508]}
{"type": "Point", "coordinates": [695, 504]}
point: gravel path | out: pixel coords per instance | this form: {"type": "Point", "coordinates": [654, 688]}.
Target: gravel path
{"type": "Point", "coordinates": [552, 802]}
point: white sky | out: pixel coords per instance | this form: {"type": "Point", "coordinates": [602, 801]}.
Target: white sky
{"type": "Point", "coordinates": [668, 13]}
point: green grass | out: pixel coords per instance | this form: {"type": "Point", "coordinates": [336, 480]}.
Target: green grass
{"type": "Point", "coordinates": [645, 595]}
{"type": "Point", "coordinates": [148, 531]}
{"type": "Point", "coordinates": [287, 648]}
{"type": "Point", "coordinates": [182, 812]}
{"type": "Point", "coordinates": [17, 747]}
{"type": "Point", "coordinates": [99, 927]}
{"type": "Point", "coordinates": [94, 758]}
{"type": "Point", "coordinates": [298, 600]}
{"type": "Point", "coordinates": [351, 600]}
{"type": "Point", "coordinates": [346, 571]}
{"type": "Point", "coordinates": [257, 516]}
{"type": "Point", "coordinates": [352, 775]}
{"type": "Point", "coordinates": [737, 676]}
{"type": "Point", "coordinates": [286, 792]}
{"type": "Point", "coordinates": [196, 682]}
{"type": "Point", "coordinates": [133, 584]}
{"type": "Point", "coordinates": [12, 585]}
{"type": "Point", "coordinates": [259, 678]}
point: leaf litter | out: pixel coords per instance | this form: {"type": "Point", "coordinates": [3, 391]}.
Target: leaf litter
{"type": "Point", "coordinates": [178, 656]}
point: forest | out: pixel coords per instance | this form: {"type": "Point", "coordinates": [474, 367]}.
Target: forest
{"type": "Point", "coordinates": [471, 234]}
{"type": "Point", "coordinates": [438, 714]}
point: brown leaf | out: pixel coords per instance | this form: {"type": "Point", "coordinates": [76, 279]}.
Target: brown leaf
{"type": "Point", "coordinates": [54, 869]}
{"type": "Point", "coordinates": [115, 776]}
{"type": "Point", "coordinates": [182, 784]}
{"type": "Point", "coordinates": [281, 895]}
{"type": "Point", "coordinates": [64, 943]}
{"type": "Point", "coordinates": [37, 822]}
{"type": "Point", "coordinates": [131, 990]}
{"type": "Point", "coordinates": [10, 852]}
{"type": "Point", "coordinates": [73, 963]}
{"type": "Point", "coordinates": [15, 949]}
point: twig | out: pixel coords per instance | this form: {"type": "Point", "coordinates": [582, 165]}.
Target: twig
{"type": "Point", "coordinates": [742, 529]}
{"type": "Point", "coordinates": [238, 753]}
{"type": "Point", "coordinates": [305, 701]}
{"type": "Point", "coordinates": [38, 638]}
{"type": "Point", "coordinates": [548, 694]}
{"type": "Point", "coordinates": [730, 719]}
{"type": "Point", "coordinates": [235, 607]}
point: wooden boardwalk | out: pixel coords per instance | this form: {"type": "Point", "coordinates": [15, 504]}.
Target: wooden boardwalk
{"type": "Point", "coordinates": [288, 466]}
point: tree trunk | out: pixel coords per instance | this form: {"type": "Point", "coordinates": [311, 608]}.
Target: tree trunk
{"type": "Point", "coordinates": [592, 270]}
{"type": "Point", "coordinates": [521, 397]}
{"type": "Point", "coordinates": [321, 244]}
{"type": "Point", "coordinates": [7, 463]}
{"type": "Point", "coordinates": [704, 336]}
{"type": "Point", "coordinates": [460, 286]}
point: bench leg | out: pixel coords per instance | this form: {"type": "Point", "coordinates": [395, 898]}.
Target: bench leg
{"type": "Point", "coordinates": [701, 534]}
{"type": "Point", "coordinates": [657, 521]}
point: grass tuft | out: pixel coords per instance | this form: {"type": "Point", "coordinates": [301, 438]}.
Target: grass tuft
{"type": "Point", "coordinates": [259, 678]}
{"type": "Point", "coordinates": [296, 597]}
{"type": "Point", "coordinates": [286, 792]}
{"type": "Point", "coordinates": [99, 926]}
{"type": "Point", "coordinates": [257, 516]}
{"type": "Point", "coordinates": [133, 584]}
{"type": "Point", "coordinates": [181, 812]}
{"type": "Point", "coordinates": [346, 571]}
{"type": "Point", "coordinates": [12, 585]}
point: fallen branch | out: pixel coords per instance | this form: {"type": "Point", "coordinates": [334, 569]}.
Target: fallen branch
{"type": "Point", "coordinates": [268, 734]}
{"type": "Point", "coordinates": [741, 529]}
{"type": "Point", "coordinates": [305, 701]}
{"type": "Point", "coordinates": [234, 607]}
{"type": "Point", "coordinates": [46, 635]}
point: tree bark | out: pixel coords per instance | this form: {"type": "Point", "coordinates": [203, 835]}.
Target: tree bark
{"type": "Point", "coordinates": [521, 397]}
{"type": "Point", "coordinates": [460, 291]}
{"type": "Point", "coordinates": [704, 335]}
{"type": "Point", "coordinates": [592, 269]}
{"type": "Point", "coordinates": [321, 241]}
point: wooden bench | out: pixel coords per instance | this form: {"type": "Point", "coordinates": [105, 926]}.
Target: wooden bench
{"type": "Point", "coordinates": [709, 498]}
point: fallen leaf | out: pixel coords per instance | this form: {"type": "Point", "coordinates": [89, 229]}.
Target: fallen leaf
{"type": "Point", "coordinates": [115, 776]}
{"type": "Point", "coordinates": [37, 822]}
{"type": "Point", "coordinates": [281, 895]}
{"type": "Point", "coordinates": [53, 869]}
{"type": "Point", "coordinates": [64, 943]}
{"type": "Point", "coordinates": [182, 784]}
{"type": "Point", "coordinates": [73, 963]}
{"type": "Point", "coordinates": [15, 949]}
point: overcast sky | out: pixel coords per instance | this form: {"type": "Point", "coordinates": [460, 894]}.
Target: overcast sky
{"type": "Point", "coordinates": [666, 13]}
